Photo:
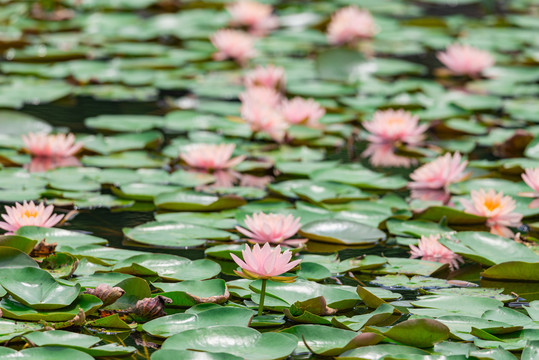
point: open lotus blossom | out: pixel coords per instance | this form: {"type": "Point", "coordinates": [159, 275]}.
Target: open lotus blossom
{"type": "Point", "coordinates": [52, 146]}
{"type": "Point", "coordinates": [28, 214]}
{"type": "Point", "coordinates": [263, 118]}
{"type": "Point", "coordinates": [265, 263]}
{"type": "Point", "coordinates": [439, 173]}
{"type": "Point", "coordinates": [271, 228]}
{"type": "Point", "coordinates": [272, 77]}
{"type": "Point", "coordinates": [390, 126]}
{"type": "Point", "coordinates": [498, 210]}
{"type": "Point", "coordinates": [465, 59]}
{"type": "Point", "coordinates": [211, 156]}
{"type": "Point", "coordinates": [233, 44]}
{"type": "Point", "coordinates": [430, 249]}
{"type": "Point", "coordinates": [531, 178]}
{"type": "Point", "coordinates": [261, 96]}
{"type": "Point", "coordinates": [383, 155]}
{"type": "Point", "coordinates": [350, 24]}
{"type": "Point", "coordinates": [302, 111]}
{"type": "Point", "coordinates": [257, 17]}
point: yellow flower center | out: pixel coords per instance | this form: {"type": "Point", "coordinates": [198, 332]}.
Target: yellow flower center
{"type": "Point", "coordinates": [30, 213]}
{"type": "Point", "coordinates": [492, 204]}
{"type": "Point", "coordinates": [395, 121]}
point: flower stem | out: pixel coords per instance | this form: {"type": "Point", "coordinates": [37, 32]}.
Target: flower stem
{"type": "Point", "coordinates": [262, 296]}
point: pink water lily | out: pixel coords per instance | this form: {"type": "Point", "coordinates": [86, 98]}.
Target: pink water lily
{"type": "Point", "coordinates": [302, 111]}
{"type": "Point", "coordinates": [265, 262]}
{"type": "Point", "coordinates": [233, 44]}
{"type": "Point", "coordinates": [210, 156]}
{"type": "Point", "coordinates": [51, 145]}
{"type": "Point", "coordinates": [531, 178]}
{"type": "Point", "coordinates": [465, 59]}
{"type": "Point", "coordinates": [272, 77]}
{"type": "Point", "coordinates": [265, 119]}
{"type": "Point", "coordinates": [257, 95]}
{"type": "Point", "coordinates": [350, 24]}
{"type": "Point", "coordinates": [430, 249]}
{"type": "Point", "coordinates": [498, 210]}
{"type": "Point", "coordinates": [272, 228]}
{"type": "Point", "coordinates": [257, 17]}
{"type": "Point", "coordinates": [390, 126]}
{"type": "Point", "coordinates": [42, 164]}
{"type": "Point", "coordinates": [383, 155]}
{"type": "Point", "coordinates": [439, 173]}
{"type": "Point", "coordinates": [28, 214]}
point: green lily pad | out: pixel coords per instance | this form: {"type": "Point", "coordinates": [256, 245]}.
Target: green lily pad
{"type": "Point", "coordinates": [11, 329]}
{"type": "Point", "coordinates": [244, 342]}
{"type": "Point", "coordinates": [513, 270]}
{"type": "Point", "coordinates": [174, 324]}
{"type": "Point", "coordinates": [61, 237]}
{"type": "Point", "coordinates": [17, 311]}
{"type": "Point", "coordinates": [50, 353]}
{"type": "Point", "coordinates": [337, 297]}
{"type": "Point", "coordinates": [175, 234]}
{"type": "Point", "coordinates": [489, 249]}
{"type": "Point", "coordinates": [168, 267]}
{"type": "Point", "coordinates": [327, 341]}
{"type": "Point", "coordinates": [422, 333]}
{"type": "Point", "coordinates": [21, 284]}
{"type": "Point", "coordinates": [193, 201]}
{"type": "Point", "coordinates": [341, 232]}
{"type": "Point", "coordinates": [382, 351]}
{"type": "Point", "coordinates": [192, 292]}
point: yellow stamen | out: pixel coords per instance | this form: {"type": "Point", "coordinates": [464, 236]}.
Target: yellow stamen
{"type": "Point", "coordinates": [29, 213]}
{"type": "Point", "coordinates": [492, 204]}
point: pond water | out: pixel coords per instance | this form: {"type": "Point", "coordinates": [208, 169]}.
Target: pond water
{"type": "Point", "coordinates": [138, 83]}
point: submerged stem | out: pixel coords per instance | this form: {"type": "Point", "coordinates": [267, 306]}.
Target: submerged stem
{"type": "Point", "coordinates": [262, 296]}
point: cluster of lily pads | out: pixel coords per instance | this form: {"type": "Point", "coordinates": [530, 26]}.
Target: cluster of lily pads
{"type": "Point", "coordinates": [350, 135]}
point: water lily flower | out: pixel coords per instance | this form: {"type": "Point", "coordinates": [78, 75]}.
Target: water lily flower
{"type": "Point", "coordinates": [383, 155]}
{"type": "Point", "coordinates": [51, 145]}
{"type": "Point", "coordinates": [272, 77]}
{"type": "Point", "coordinates": [258, 95]}
{"type": "Point", "coordinates": [257, 17]}
{"type": "Point", "coordinates": [262, 118]}
{"type": "Point", "coordinates": [302, 111]}
{"type": "Point", "coordinates": [42, 164]}
{"type": "Point", "coordinates": [439, 173]}
{"type": "Point", "coordinates": [531, 178]}
{"type": "Point", "coordinates": [233, 44]}
{"type": "Point", "coordinates": [271, 228]}
{"type": "Point", "coordinates": [350, 24]}
{"type": "Point", "coordinates": [210, 156]}
{"type": "Point", "coordinates": [28, 214]}
{"type": "Point", "coordinates": [390, 126]}
{"type": "Point", "coordinates": [498, 210]}
{"type": "Point", "coordinates": [465, 59]}
{"type": "Point", "coordinates": [265, 263]}
{"type": "Point", "coordinates": [430, 249]}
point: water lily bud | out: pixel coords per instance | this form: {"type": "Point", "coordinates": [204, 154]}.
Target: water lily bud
{"type": "Point", "coordinates": [106, 293]}
{"type": "Point", "coordinates": [150, 308]}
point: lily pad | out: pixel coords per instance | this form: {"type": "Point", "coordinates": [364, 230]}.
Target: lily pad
{"type": "Point", "coordinates": [174, 324]}
{"type": "Point", "coordinates": [341, 232]}
{"type": "Point", "coordinates": [244, 342]}
{"type": "Point", "coordinates": [21, 284]}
